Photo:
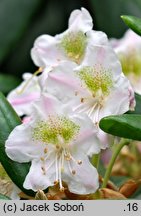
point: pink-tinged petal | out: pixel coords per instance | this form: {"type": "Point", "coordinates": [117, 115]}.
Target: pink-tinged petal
{"type": "Point", "coordinates": [85, 179]}
{"type": "Point", "coordinates": [131, 98]}
{"type": "Point", "coordinates": [20, 146]}
{"type": "Point", "coordinates": [62, 82]}
{"type": "Point", "coordinates": [87, 139]}
{"type": "Point", "coordinates": [48, 105]}
{"type": "Point", "coordinates": [105, 140]}
{"type": "Point", "coordinates": [26, 93]}
{"type": "Point", "coordinates": [97, 38]}
{"type": "Point", "coordinates": [105, 57]}
{"type": "Point", "coordinates": [80, 20]}
{"type": "Point", "coordinates": [118, 101]}
{"type": "Point", "coordinates": [45, 51]}
{"type": "Point", "coordinates": [42, 78]}
{"type": "Point", "coordinates": [41, 174]}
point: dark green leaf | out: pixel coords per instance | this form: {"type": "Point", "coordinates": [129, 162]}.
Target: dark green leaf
{"type": "Point", "coordinates": [8, 82]}
{"type": "Point", "coordinates": [3, 197]}
{"type": "Point", "coordinates": [138, 105]}
{"type": "Point", "coordinates": [127, 126]}
{"type": "Point", "coordinates": [8, 121]}
{"type": "Point", "coordinates": [133, 22]}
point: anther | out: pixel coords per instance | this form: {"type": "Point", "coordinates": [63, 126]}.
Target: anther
{"type": "Point", "coordinates": [79, 162]}
{"type": "Point", "coordinates": [42, 158]}
{"type": "Point", "coordinates": [43, 169]}
{"type": "Point", "coordinates": [73, 172]}
{"type": "Point", "coordinates": [82, 100]}
{"type": "Point", "coordinates": [45, 150]}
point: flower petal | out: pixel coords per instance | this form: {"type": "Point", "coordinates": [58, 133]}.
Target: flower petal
{"type": "Point", "coordinates": [87, 139]}
{"type": "Point", "coordinates": [62, 82]}
{"type": "Point", "coordinates": [80, 20]}
{"type": "Point", "coordinates": [47, 105]}
{"type": "Point", "coordinates": [85, 180]}
{"type": "Point", "coordinates": [45, 51]}
{"type": "Point", "coordinates": [22, 97]}
{"type": "Point", "coordinates": [39, 179]}
{"type": "Point", "coordinates": [104, 56]}
{"type": "Point", "coordinates": [20, 146]}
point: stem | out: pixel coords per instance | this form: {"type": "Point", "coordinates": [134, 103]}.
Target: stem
{"type": "Point", "coordinates": [95, 160]}
{"type": "Point", "coordinates": [113, 159]}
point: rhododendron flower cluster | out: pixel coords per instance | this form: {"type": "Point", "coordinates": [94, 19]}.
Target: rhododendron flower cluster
{"type": "Point", "coordinates": [81, 81]}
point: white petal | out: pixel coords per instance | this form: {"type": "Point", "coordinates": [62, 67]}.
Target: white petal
{"type": "Point", "coordinates": [19, 145]}
{"type": "Point", "coordinates": [46, 106]}
{"type": "Point", "coordinates": [22, 97]}
{"type": "Point", "coordinates": [118, 101]}
{"type": "Point", "coordinates": [97, 38]}
{"type": "Point", "coordinates": [80, 20]}
{"type": "Point", "coordinates": [36, 179]}
{"type": "Point", "coordinates": [104, 56]}
{"type": "Point", "coordinates": [62, 82]}
{"type": "Point", "coordinates": [85, 181]}
{"type": "Point", "coordinates": [87, 139]}
{"type": "Point", "coordinates": [45, 51]}
{"type": "Point", "coordinates": [105, 140]}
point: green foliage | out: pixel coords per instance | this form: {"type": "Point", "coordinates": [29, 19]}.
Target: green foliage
{"type": "Point", "coordinates": [126, 125]}
{"type": "Point", "coordinates": [8, 82]}
{"type": "Point", "coordinates": [8, 121]}
{"type": "Point", "coordinates": [133, 22]}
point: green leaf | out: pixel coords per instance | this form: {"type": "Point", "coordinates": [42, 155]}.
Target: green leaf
{"type": "Point", "coordinates": [127, 126]}
{"type": "Point", "coordinates": [8, 82]}
{"type": "Point", "coordinates": [133, 22]}
{"type": "Point", "coordinates": [3, 197]}
{"type": "Point", "coordinates": [138, 105]}
{"type": "Point", "coordinates": [8, 121]}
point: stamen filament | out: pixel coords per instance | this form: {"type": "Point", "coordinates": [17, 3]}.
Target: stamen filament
{"type": "Point", "coordinates": [29, 80]}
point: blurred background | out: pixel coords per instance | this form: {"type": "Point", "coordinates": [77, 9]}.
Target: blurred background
{"type": "Point", "coordinates": [22, 21]}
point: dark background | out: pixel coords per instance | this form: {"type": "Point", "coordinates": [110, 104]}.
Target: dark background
{"type": "Point", "coordinates": [22, 21]}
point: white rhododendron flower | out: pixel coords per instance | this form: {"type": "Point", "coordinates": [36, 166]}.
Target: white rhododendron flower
{"type": "Point", "coordinates": [70, 45]}
{"type": "Point", "coordinates": [22, 97]}
{"type": "Point", "coordinates": [128, 50]}
{"type": "Point", "coordinates": [57, 142]}
{"type": "Point", "coordinates": [96, 87]}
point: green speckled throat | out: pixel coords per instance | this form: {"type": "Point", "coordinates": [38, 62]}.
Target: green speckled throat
{"type": "Point", "coordinates": [131, 62]}
{"type": "Point", "coordinates": [54, 128]}
{"type": "Point", "coordinates": [96, 79]}
{"type": "Point", "coordinates": [74, 45]}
